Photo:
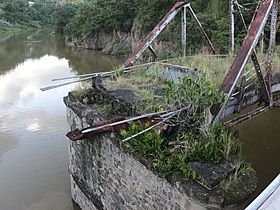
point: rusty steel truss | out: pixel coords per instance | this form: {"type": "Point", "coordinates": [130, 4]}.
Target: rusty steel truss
{"type": "Point", "coordinates": [146, 43]}
{"type": "Point", "coordinates": [237, 84]}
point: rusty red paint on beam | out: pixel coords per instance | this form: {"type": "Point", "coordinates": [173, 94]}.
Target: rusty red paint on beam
{"type": "Point", "coordinates": [154, 33]}
{"type": "Point", "coordinates": [247, 47]}
{"type": "Point", "coordinates": [264, 88]}
{"type": "Point", "coordinates": [109, 126]}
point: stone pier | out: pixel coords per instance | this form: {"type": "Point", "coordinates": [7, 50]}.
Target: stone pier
{"type": "Point", "coordinates": [105, 176]}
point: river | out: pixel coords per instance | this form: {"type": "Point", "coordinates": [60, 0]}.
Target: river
{"type": "Point", "coordinates": [260, 138]}
{"type": "Point", "coordinates": [33, 146]}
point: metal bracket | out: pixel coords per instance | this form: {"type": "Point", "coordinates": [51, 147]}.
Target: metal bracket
{"type": "Point", "coordinates": [206, 37]}
{"type": "Point", "coordinates": [153, 52]}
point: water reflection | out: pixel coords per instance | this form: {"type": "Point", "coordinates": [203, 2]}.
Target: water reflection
{"type": "Point", "coordinates": [33, 147]}
{"type": "Point", "coordinates": [260, 143]}
{"type": "Point", "coordinates": [23, 82]}
{"type": "Point", "coordinates": [7, 141]}
{"type": "Point", "coordinates": [15, 49]}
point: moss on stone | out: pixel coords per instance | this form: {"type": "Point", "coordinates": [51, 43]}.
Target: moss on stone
{"type": "Point", "coordinates": [239, 186]}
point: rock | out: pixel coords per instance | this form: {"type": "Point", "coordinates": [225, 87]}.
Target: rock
{"type": "Point", "coordinates": [211, 174]}
{"type": "Point", "coordinates": [238, 189]}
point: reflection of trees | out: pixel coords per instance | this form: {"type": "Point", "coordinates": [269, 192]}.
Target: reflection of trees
{"type": "Point", "coordinates": [16, 48]}
{"type": "Point", "coordinates": [84, 61]}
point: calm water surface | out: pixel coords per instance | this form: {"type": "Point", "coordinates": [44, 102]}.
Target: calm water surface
{"type": "Point", "coordinates": [260, 139]}
{"type": "Point", "coordinates": [33, 146]}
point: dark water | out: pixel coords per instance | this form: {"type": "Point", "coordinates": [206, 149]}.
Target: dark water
{"type": "Point", "coordinates": [33, 146]}
{"type": "Point", "coordinates": [260, 139]}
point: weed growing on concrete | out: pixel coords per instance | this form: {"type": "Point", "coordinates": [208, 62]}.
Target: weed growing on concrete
{"type": "Point", "coordinates": [149, 144]}
{"type": "Point", "coordinates": [81, 90]}
{"type": "Point", "coordinates": [214, 68]}
{"type": "Point", "coordinates": [195, 93]}
{"type": "Point", "coordinates": [216, 145]}
{"type": "Point", "coordinates": [143, 84]}
{"type": "Point", "coordinates": [169, 159]}
{"type": "Point", "coordinates": [153, 147]}
{"type": "Point", "coordinates": [195, 140]}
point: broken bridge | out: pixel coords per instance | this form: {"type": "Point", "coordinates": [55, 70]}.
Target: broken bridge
{"type": "Point", "coordinates": [237, 85]}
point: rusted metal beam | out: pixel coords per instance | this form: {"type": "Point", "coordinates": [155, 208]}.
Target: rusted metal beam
{"type": "Point", "coordinates": [245, 51]}
{"type": "Point", "coordinates": [205, 36]}
{"type": "Point", "coordinates": [264, 88]}
{"type": "Point", "coordinates": [119, 124]}
{"type": "Point", "coordinates": [246, 116]}
{"type": "Point", "coordinates": [250, 97]}
{"type": "Point", "coordinates": [247, 47]}
{"type": "Point", "coordinates": [232, 25]}
{"type": "Point", "coordinates": [155, 32]}
{"type": "Point", "coordinates": [249, 115]}
{"type": "Point", "coordinates": [184, 30]}
{"type": "Point", "coordinates": [108, 126]}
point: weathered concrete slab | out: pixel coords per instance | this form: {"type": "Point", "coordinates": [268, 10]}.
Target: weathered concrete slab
{"type": "Point", "coordinates": [212, 174]}
{"type": "Point", "coordinates": [273, 202]}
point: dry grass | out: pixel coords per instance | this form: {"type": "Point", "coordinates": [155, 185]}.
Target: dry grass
{"type": "Point", "coordinates": [136, 80]}
{"type": "Point", "coordinates": [143, 84]}
{"type": "Point", "coordinates": [216, 68]}
{"type": "Point", "coordinates": [81, 89]}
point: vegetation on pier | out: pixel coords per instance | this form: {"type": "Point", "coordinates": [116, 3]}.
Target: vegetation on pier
{"type": "Point", "coordinates": [195, 140]}
{"type": "Point", "coordinates": [173, 153]}
{"type": "Point", "coordinates": [192, 140]}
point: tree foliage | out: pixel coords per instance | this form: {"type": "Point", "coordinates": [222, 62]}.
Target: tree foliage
{"type": "Point", "coordinates": [38, 13]}
{"type": "Point", "coordinates": [103, 15]}
{"type": "Point", "coordinates": [86, 17]}
{"type": "Point", "coordinates": [142, 15]}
